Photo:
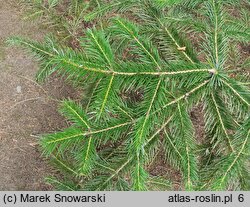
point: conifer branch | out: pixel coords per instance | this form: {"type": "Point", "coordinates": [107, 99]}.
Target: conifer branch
{"type": "Point", "coordinates": [216, 35]}
{"type": "Point", "coordinates": [115, 173]}
{"type": "Point", "coordinates": [237, 155]}
{"type": "Point", "coordinates": [117, 73]}
{"type": "Point", "coordinates": [130, 32]}
{"type": "Point", "coordinates": [186, 95]}
{"type": "Point", "coordinates": [65, 166]}
{"type": "Point", "coordinates": [221, 122]}
{"type": "Point", "coordinates": [159, 130]}
{"type": "Point", "coordinates": [84, 134]}
{"type": "Point", "coordinates": [61, 184]}
{"type": "Point", "coordinates": [106, 96]}
{"type": "Point", "coordinates": [175, 42]}
{"type": "Point", "coordinates": [141, 132]}
{"type": "Point", "coordinates": [235, 92]}
{"type": "Point", "coordinates": [172, 144]}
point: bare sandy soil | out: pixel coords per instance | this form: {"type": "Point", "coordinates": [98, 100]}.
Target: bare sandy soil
{"type": "Point", "coordinates": [26, 109]}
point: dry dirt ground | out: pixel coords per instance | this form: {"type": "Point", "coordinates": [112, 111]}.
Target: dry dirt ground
{"type": "Point", "coordinates": [26, 108]}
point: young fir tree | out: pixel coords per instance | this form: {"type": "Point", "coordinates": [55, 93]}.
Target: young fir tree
{"type": "Point", "coordinates": [115, 136]}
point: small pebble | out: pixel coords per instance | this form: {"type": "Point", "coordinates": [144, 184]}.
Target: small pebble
{"type": "Point", "coordinates": [19, 89]}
